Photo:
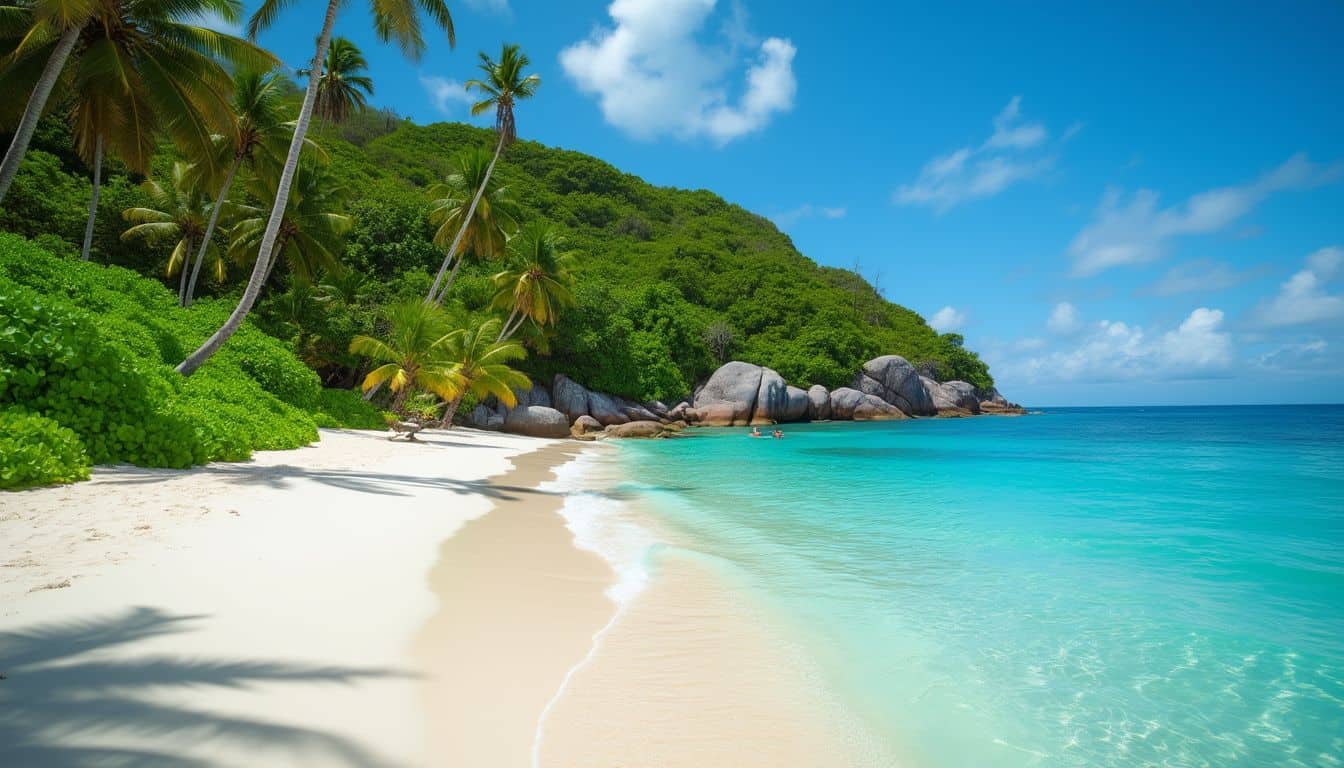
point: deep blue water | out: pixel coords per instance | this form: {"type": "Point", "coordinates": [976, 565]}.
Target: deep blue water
{"type": "Point", "coordinates": [1108, 587]}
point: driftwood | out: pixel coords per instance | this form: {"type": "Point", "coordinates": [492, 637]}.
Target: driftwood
{"type": "Point", "coordinates": [405, 429]}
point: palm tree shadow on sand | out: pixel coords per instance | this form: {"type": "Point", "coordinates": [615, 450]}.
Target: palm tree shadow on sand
{"type": "Point", "coordinates": [60, 691]}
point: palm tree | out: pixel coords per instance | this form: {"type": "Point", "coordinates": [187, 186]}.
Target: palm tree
{"type": "Point", "coordinates": [504, 85]}
{"type": "Point", "coordinates": [52, 27]}
{"type": "Point", "coordinates": [179, 213]}
{"type": "Point", "coordinates": [393, 20]}
{"type": "Point", "coordinates": [538, 283]}
{"type": "Point", "coordinates": [340, 84]}
{"type": "Point", "coordinates": [345, 286]}
{"type": "Point", "coordinates": [480, 363]}
{"type": "Point", "coordinates": [414, 356]}
{"type": "Point", "coordinates": [310, 232]}
{"type": "Point", "coordinates": [490, 223]}
{"type": "Point", "coordinates": [136, 70]}
{"type": "Point", "coordinates": [259, 132]}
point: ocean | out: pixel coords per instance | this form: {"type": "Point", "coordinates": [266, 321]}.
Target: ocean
{"type": "Point", "coordinates": [1076, 587]}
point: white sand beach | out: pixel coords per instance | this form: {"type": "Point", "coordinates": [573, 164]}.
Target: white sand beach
{"type": "Point", "coordinates": [260, 613]}
{"type": "Point", "coordinates": [362, 602]}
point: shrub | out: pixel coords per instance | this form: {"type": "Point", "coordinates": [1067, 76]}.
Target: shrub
{"type": "Point", "coordinates": [38, 451]}
{"type": "Point", "coordinates": [346, 408]}
{"type": "Point", "coordinates": [91, 348]}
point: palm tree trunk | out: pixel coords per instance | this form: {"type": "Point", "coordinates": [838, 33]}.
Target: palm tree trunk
{"type": "Point", "coordinates": [270, 261]}
{"type": "Point", "coordinates": [504, 329]}
{"type": "Point", "coordinates": [37, 102]}
{"type": "Point", "coordinates": [451, 277]}
{"type": "Point", "coordinates": [451, 412]}
{"type": "Point", "coordinates": [212, 344]}
{"type": "Point", "coordinates": [466, 220]}
{"type": "Point", "coordinates": [97, 189]}
{"type": "Point", "coordinates": [400, 400]}
{"type": "Point", "coordinates": [182, 277]}
{"type": "Point", "coordinates": [210, 228]}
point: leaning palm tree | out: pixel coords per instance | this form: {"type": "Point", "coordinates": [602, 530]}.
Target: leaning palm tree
{"type": "Point", "coordinates": [138, 69]}
{"type": "Point", "coordinates": [42, 32]}
{"type": "Point", "coordinates": [393, 20]}
{"type": "Point", "coordinates": [480, 365]}
{"type": "Point", "coordinates": [179, 214]}
{"type": "Point", "coordinates": [482, 222]}
{"type": "Point", "coordinates": [538, 283]}
{"type": "Point", "coordinates": [310, 233]}
{"type": "Point", "coordinates": [414, 354]}
{"type": "Point", "coordinates": [505, 83]}
{"type": "Point", "coordinates": [341, 88]}
{"type": "Point", "coordinates": [257, 139]}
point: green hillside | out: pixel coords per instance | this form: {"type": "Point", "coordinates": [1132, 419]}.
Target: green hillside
{"type": "Point", "coordinates": [657, 267]}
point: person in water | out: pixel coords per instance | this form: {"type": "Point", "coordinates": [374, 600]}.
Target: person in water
{"type": "Point", "coordinates": [755, 432]}
{"type": "Point", "coordinates": [779, 433]}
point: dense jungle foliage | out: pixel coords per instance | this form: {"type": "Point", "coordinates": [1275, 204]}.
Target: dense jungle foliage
{"type": "Point", "coordinates": [668, 283]}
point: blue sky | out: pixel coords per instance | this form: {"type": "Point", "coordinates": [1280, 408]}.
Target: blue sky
{"type": "Point", "coordinates": [1115, 205]}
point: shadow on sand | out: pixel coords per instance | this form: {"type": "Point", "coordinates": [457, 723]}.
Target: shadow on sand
{"type": "Point", "coordinates": [62, 690]}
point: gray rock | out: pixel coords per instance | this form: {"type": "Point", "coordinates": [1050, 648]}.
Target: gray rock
{"type": "Point", "coordinates": [772, 399]}
{"type": "Point", "coordinates": [584, 425]}
{"type": "Point", "coordinates": [818, 403]}
{"type": "Point", "coordinates": [636, 412]}
{"type": "Point", "coordinates": [636, 429]}
{"type": "Point", "coordinates": [894, 380]}
{"type": "Point", "coordinates": [796, 407]}
{"type": "Point", "coordinates": [729, 397]}
{"type": "Point", "coordinates": [952, 398]}
{"type": "Point", "coordinates": [537, 421]}
{"type": "Point", "coordinates": [657, 408]}
{"type": "Point", "coordinates": [678, 412]}
{"type": "Point", "coordinates": [480, 417]}
{"type": "Point", "coordinates": [606, 409]}
{"type": "Point", "coordinates": [570, 398]}
{"type": "Point", "coordinates": [847, 404]}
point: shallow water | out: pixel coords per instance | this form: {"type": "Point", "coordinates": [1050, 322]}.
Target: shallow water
{"type": "Point", "coordinates": [1160, 586]}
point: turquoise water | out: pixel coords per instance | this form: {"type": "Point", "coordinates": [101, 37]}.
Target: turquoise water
{"type": "Point", "coordinates": [1090, 587]}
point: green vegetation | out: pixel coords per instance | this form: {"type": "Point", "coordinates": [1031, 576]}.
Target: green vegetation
{"type": "Point", "coordinates": [418, 262]}
{"type": "Point", "coordinates": [38, 451]}
{"type": "Point", "coordinates": [91, 349]}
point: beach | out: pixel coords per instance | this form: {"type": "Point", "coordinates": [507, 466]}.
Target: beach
{"type": "Point", "coordinates": [259, 613]}
{"type": "Point", "coordinates": [368, 602]}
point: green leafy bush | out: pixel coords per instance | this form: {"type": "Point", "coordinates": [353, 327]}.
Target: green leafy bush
{"type": "Point", "coordinates": [35, 450]}
{"type": "Point", "coordinates": [91, 348]}
{"type": "Point", "coordinates": [346, 408]}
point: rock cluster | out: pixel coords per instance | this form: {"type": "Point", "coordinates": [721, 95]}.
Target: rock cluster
{"type": "Point", "coordinates": [738, 394]}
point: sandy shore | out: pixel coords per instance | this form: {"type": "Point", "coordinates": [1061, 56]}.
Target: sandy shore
{"type": "Point", "coordinates": [262, 613]}
{"type": "Point", "coordinates": [367, 603]}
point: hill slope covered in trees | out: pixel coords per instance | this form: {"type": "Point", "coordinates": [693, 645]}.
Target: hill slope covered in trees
{"type": "Point", "coordinates": [670, 282]}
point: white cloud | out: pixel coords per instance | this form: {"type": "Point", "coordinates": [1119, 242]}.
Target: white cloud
{"type": "Point", "coordinates": [1118, 351]}
{"type": "Point", "coordinates": [448, 96]}
{"type": "Point", "coordinates": [652, 77]}
{"type": "Point", "coordinates": [1063, 319]}
{"type": "Point", "coordinates": [1302, 357]}
{"type": "Point", "coordinates": [1200, 276]}
{"type": "Point", "coordinates": [1139, 231]}
{"type": "Point", "coordinates": [947, 319]}
{"type": "Point", "coordinates": [1302, 299]}
{"type": "Point", "coordinates": [786, 219]}
{"type": "Point", "coordinates": [969, 173]}
{"type": "Point", "coordinates": [1010, 131]}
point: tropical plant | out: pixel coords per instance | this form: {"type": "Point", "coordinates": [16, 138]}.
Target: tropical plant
{"type": "Point", "coordinates": [538, 284]}
{"type": "Point", "coordinates": [258, 136]}
{"type": "Point", "coordinates": [480, 366]}
{"type": "Point", "coordinates": [310, 230]}
{"type": "Point", "coordinates": [345, 286]}
{"type": "Point", "coordinates": [719, 337]}
{"type": "Point", "coordinates": [341, 87]}
{"type": "Point", "coordinates": [393, 20]}
{"type": "Point", "coordinates": [414, 355]}
{"type": "Point", "coordinates": [179, 215]}
{"type": "Point", "coordinates": [483, 223]}
{"type": "Point", "coordinates": [505, 84]}
{"type": "Point", "coordinates": [139, 68]}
